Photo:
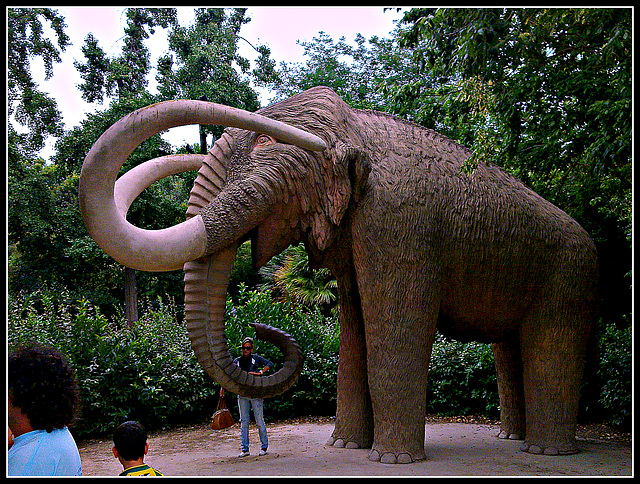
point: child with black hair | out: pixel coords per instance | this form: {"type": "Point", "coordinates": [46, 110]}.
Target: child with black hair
{"type": "Point", "coordinates": [129, 447]}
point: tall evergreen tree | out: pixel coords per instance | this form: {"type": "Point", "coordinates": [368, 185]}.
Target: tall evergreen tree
{"type": "Point", "coordinates": [125, 75]}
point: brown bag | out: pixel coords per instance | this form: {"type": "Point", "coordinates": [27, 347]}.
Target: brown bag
{"type": "Point", "coordinates": [222, 418]}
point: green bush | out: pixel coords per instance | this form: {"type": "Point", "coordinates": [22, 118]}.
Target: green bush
{"type": "Point", "coordinates": [615, 373]}
{"type": "Point", "coordinates": [461, 375]}
{"type": "Point", "coordinates": [462, 379]}
{"type": "Point", "coordinates": [147, 373]}
{"type": "Point", "coordinates": [150, 373]}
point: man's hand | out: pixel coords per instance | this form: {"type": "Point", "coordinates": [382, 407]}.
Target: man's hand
{"type": "Point", "coordinates": [261, 372]}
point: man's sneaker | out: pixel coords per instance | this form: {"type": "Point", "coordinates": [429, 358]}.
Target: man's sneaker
{"type": "Point", "coordinates": [244, 453]}
{"type": "Point", "coordinates": [263, 452]}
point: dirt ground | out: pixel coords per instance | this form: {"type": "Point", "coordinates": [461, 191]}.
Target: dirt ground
{"type": "Point", "coordinates": [454, 447]}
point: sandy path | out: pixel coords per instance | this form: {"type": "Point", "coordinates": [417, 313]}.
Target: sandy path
{"type": "Point", "coordinates": [298, 449]}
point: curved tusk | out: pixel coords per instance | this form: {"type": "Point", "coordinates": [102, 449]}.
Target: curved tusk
{"type": "Point", "coordinates": [165, 249]}
{"type": "Point", "coordinates": [136, 180]}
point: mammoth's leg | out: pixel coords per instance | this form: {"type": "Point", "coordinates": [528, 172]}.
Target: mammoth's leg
{"type": "Point", "coordinates": [400, 322]}
{"type": "Point", "coordinates": [354, 416]}
{"type": "Point", "coordinates": [508, 363]}
{"type": "Point", "coordinates": [554, 340]}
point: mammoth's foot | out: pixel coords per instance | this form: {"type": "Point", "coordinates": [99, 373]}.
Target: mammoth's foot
{"type": "Point", "coordinates": [532, 448]}
{"type": "Point", "coordinates": [505, 434]}
{"type": "Point", "coordinates": [356, 435]}
{"type": "Point", "coordinates": [344, 443]}
{"type": "Point", "coordinates": [395, 457]}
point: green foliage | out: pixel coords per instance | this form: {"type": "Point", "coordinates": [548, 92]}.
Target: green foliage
{"type": "Point", "coordinates": [290, 278]}
{"type": "Point", "coordinates": [355, 73]}
{"type": "Point", "coordinates": [29, 106]}
{"type": "Point", "coordinates": [30, 218]}
{"type": "Point", "coordinates": [50, 244]}
{"type": "Point", "coordinates": [204, 62]}
{"type": "Point", "coordinates": [124, 76]}
{"type": "Point", "coordinates": [147, 373]}
{"type": "Point", "coordinates": [462, 379]}
{"type": "Point", "coordinates": [548, 90]}
{"type": "Point", "coordinates": [616, 372]}
{"type": "Point", "coordinates": [243, 275]}
{"type": "Point", "coordinates": [553, 85]}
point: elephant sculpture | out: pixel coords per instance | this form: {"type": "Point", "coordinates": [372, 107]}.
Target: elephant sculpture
{"type": "Point", "coordinates": [415, 243]}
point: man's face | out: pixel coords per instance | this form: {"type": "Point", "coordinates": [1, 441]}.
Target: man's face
{"type": "Point", "coordinates": [247, 348]}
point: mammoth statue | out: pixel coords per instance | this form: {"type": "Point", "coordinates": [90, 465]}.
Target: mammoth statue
{"type": "Point", "coordinates": [414, 242]}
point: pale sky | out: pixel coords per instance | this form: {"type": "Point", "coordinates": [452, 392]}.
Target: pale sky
{"type": "Point", "coordinates": [277, 27]}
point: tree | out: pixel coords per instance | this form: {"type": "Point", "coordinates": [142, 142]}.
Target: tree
{"type": "Point", "coordinates": [32, 240]}
{"type": "Point", "coordinates": [545, 93]}
{"type": "Point", "coordinates": [290, 278]}
{"type": "Point", "coordinates": [355, 73]}
{"type": "Point", "coordinates": [125, 75]}
{"type": "Point", "coordinates": [26, 104]}
{"type": "Point", "coordinates": [48, 242]}
{"type": "Point", "coordinates": [50, 246]}
{"type": "Point", "coordinates": [204, 62]}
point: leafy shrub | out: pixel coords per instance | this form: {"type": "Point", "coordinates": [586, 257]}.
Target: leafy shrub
{"type": "Point", "coordinates": [147, 373]}
{"type": "Point", "coordinates": [615, 373]}
{"type": "Point", "coordinates": [462, 379]}
{"type": "Point", "coordinates": [461, 376]}
{"type": "Point", "coordinates": [150, 373]}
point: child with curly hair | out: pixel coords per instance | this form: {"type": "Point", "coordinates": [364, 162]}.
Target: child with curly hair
{"type": "Point", "coordinates": [43, 401]}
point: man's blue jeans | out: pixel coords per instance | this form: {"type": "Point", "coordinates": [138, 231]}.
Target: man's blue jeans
{"type": "Point", "coordinates": [244, 406]}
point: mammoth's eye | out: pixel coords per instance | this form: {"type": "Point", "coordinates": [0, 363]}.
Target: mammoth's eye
{"type": "Point", "coordinates": [264, 140]}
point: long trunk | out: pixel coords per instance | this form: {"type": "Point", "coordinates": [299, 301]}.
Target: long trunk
{"type": "Point", "coordinates": [205, 282]}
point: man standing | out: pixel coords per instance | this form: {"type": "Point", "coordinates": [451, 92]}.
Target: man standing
{"type": "Point", "coordinates": [254, 365]}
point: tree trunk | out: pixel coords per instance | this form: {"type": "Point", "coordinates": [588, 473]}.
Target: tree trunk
{"type": "Point", "coordinates": [203, 141]}
{"type": "Point", "coordinates": [130, 296]}
{"type": "Point", "coordinates": [203, 134]}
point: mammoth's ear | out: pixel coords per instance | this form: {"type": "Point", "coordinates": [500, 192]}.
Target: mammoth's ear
{"type": "Point", "coordinates": [359, 169]}
{"type": "Point", "coordinates": [349, 172]}
{"type": "Point", "coordinates": [345, 173]}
